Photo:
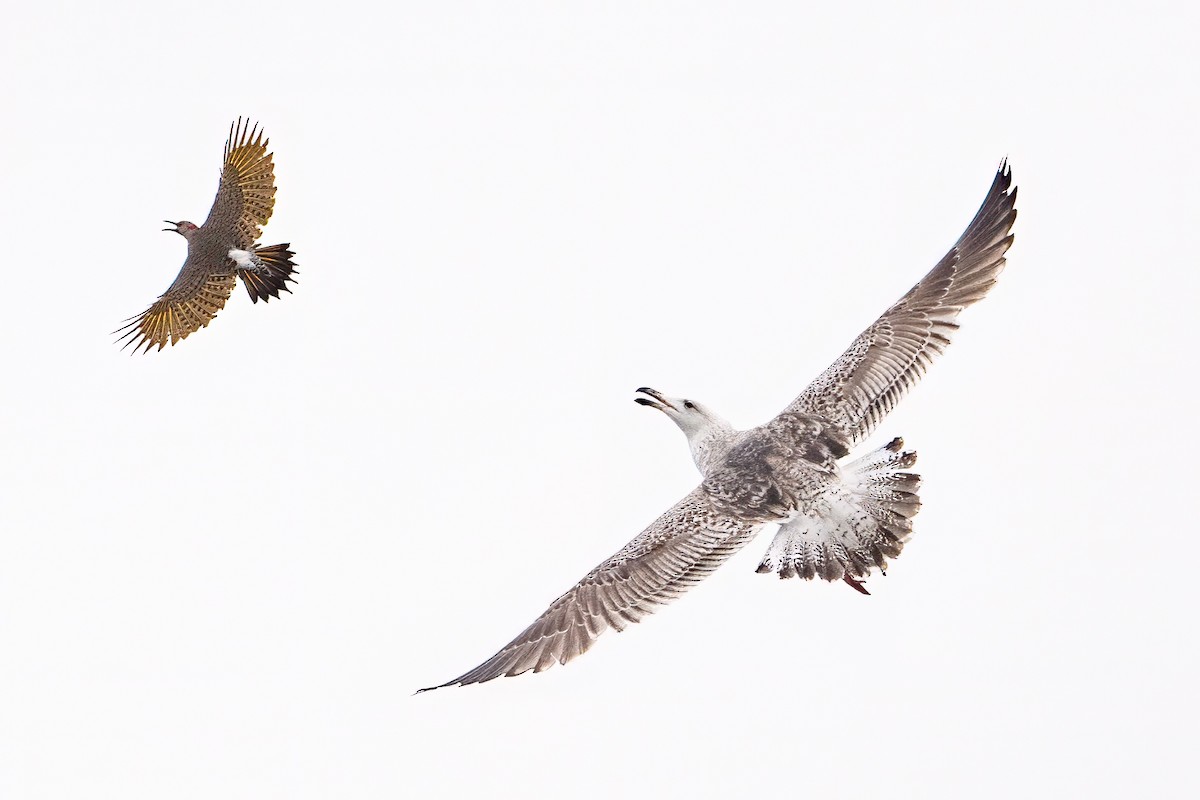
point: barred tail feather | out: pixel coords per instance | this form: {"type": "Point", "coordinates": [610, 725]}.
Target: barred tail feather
{"type": "Point", "coordinates": [274, 272]}
{"type": "Point", "coordinates": [852, 527]}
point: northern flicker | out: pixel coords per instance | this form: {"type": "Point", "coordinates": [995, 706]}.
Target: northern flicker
{"type": "Point", "coordinates": [221, 250]}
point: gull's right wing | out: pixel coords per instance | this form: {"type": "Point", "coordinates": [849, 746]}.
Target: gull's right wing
{"type": "Point", "coordinates": [680, 549]}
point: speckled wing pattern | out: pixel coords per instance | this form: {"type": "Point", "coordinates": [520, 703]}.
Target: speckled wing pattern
{"type": "Point", "coordinates": [244, 202]}
{"type": "Point", "coordinates": [887, 359]}
{"type": "Point", "coordinates": [192, 301]}
{"type": "Point", "coordinates": [246, 196]}
{"type": "Point", "coordinates": [681, 548]}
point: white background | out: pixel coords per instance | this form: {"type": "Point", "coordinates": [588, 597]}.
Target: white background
{"type": "Point", "coordinates": [225, 567]}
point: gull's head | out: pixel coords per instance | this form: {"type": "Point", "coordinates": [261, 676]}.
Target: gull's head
{"type": "Point", "coordinates": [708, 435]}
{"type": "Point", "coordinates": [183, 227]}
{"type": "Point", "coordinates": [694, 419]}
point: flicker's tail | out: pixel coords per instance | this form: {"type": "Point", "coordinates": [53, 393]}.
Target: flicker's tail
{"type": "Point", "coordinates": [853, 526]}
{"type": "Point", "coordinates": [276, 269]}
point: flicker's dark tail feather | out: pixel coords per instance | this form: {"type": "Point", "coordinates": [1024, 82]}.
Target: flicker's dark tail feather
{"type": "Point", "coordinates": [273, 279]}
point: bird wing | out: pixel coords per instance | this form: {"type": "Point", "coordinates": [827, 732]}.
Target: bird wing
{"type": "Point", "coordinates": [677, 551]}
{"type": "Point", "coordinates": [858, 390]}
{"type": "Point", "coordinates": [246, 196]}
{"type": "Point", "coordinates": [192, 301]}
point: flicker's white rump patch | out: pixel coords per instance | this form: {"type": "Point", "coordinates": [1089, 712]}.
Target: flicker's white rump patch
{"type": "Point", "coordinates": [245, 259]}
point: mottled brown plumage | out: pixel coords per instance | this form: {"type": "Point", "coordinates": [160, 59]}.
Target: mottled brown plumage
{"type": "Point", "coordinates": [839, 519]}
{"type": "Point", "coordinates": [244, 202]}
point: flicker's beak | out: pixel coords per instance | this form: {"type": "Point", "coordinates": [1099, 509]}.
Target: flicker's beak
{"type": "Point", "coordinates": [658, 401]}
{"type": "Point", "coordinates": [174, 226]}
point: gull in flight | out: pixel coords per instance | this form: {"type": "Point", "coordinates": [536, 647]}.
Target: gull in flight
{"type": "Point", "coordinates": [839, 518]}
{"type": "Point", "coordinates": [221, 249]}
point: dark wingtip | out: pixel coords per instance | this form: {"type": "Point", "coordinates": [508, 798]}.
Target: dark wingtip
{"type": "Point", "coordinates": [1003, 180]}
{"type": "Point", "coordinates": [439, 686]}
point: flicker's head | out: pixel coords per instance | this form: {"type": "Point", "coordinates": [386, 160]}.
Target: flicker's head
{"type": "Point", "coordinates": [183, 227]}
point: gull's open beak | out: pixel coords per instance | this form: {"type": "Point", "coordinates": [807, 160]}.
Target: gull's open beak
{"type": "Point", "coordinates": [658, 401]}
{"type": "Point", "coordinates": [174, 226]}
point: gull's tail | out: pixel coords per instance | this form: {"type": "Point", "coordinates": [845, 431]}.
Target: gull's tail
{"type": "Point", "coordinates": [853, 526]}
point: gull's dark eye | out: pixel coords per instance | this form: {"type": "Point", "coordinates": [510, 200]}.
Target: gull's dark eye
{"type": "Point", "coordinates": [688, 404]}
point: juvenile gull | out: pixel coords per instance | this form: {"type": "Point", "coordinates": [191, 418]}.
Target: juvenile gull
{"type": "Point", "coordinates": [838, 519]}
{"type": "Point", "coordinates": [221, 249]}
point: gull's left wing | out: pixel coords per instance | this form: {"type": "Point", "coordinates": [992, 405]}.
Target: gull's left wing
{"type": "Point", "coordinates": [887, 359]}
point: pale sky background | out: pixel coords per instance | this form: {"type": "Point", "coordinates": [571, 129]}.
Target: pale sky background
{"type": "Point", "coordinates": [225, 567]}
